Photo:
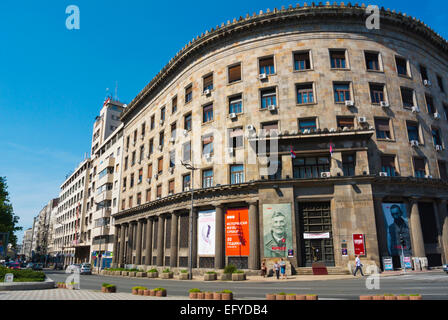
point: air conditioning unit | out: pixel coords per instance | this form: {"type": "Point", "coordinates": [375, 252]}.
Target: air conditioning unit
{"type": "Point", "coordinates": [306, 131]}
{"type": "Point", "coordinates": [171, 169]}
{"type": "Point", "coordinates": [436, 115]}
{"type": "Point", "coordinates": [383, 174]}
{"type": "Point", "coordinates": [250, 127]}
{"type": "Point", "coordinates": [263, 76]}
{"type": "Point", "coordinates": [230, 150]}
{"type": "Point", "coordinates": [207, 156]}
{"type": "Point", "coordinates": [439, 147]}
{"type": "Point", "coordinates": [384, 104]}
{"type": "Point", "coordinates": [414, 143]}
{"type": "Point", "coordinates": [142, 136]}
{"type": "Point", "coordinates": [428, 176]}
{"type": "Point", "coordinates": [207, 92]}
{"type": "Point", "coordinates": [427, 83]}
{"type": "Point", "coordinates": [272, 107]}
{"type": "Point", "coordinates": [148, 156]}
{"type": "Point", "coordinates": [332, 130]}
{"type": "Point", "coordinates": [349, 103]}
{"type": "Point", "coordinates": [161, 122]}
{"type": "Point", "coordinates": [133, 143]}
{"type": "Point", "coordinates": [325, 174]}
{"type": "Point", "coordinates": [345, 129]}
{"type": "Point", "coordinates": [362, 120]}
{"type": "Point", "coordinates": [172, 139]}
{"type": "Point", "coordinates": [160, 147]}
{"type": "Point", "coordinates": [185, 132]}
{"type": "Point", "coordinates": [415, 109]}
{"type": "Point", "coordinates": [232, 115]}
{"type": "Point", "coordinates": [148, 180]}
{"type": "Point", "coordinates": [156, 176]}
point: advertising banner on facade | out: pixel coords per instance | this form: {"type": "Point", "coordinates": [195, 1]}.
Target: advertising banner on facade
{"type": "Point", "coordinates": [359, 245]}
{"type": "Point", "coordinates": [396, 222]}
{"type": "Point", "coordinates": [237, 232]}
{"type": "Point", "coordinates": [206, 233]}
{"type": "Point", "coordinates": [277, 230]}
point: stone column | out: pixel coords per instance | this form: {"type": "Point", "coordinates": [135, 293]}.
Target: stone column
{"type": "Point", "coordinates": [116, 245]}
{"type": "Point", "coordinates": [173, 240]}
{"type": "Point", "coordinates": [122, 242]}
{"type": "Point", "coordinates": [138, 248]}
{"type": "Point", "coordinates": [381, 231]}
{"type": "Point", "coordinates": [443, 215]}
{"type": "Point", "coordinates": [148, 253]}
{"type": "Point", "coordinates": [160, 233]}
{"type": "Point", "coordinates": [195, 239]}
{"type": "Point", "coordinates": [219, 237]}
{"type": "Point", "coordinates": [418, 245]}
{"type": "Point", "coordinates": [130, 242]}
{"type": "Point", "coordinates": [254, 245]}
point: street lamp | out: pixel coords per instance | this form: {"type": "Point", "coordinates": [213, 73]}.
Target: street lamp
{"type": "Point", "coordinates": [190, 222]}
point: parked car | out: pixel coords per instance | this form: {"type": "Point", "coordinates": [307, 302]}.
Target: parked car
{"type": "Point", "coordinates": [73, 268]}
{"type": "Point", "coordinates": [86, 268]}
{"type": "Point", "coordinates": [445, 268]}
{"type": "Point", "coordinates": [29, 265]}
{"type": "Point", "coordinates": [37, 266]}
{"type": "Point", "coordinates": [58, 266]}
{"type": "Point", "coordinates": [14, 265]}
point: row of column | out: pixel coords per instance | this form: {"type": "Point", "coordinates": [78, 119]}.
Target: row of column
{"type": "Point", "coordinates": [123, 249]}
{"type": "Point", "coordinates": [416, 233]}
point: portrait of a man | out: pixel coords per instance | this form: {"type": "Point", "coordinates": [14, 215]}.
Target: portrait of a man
{"type": "Point", "coordinates": [277, 230]}
{"type": "Point", "coordinates": [397, 225]}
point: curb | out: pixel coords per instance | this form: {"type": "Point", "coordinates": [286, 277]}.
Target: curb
{"type": "Point", "coordinates": [18, 286]}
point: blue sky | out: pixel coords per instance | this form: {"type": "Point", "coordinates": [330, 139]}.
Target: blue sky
{"type": "Point", "coordinates": [53, 80]}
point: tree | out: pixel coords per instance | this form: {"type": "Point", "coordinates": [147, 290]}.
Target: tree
{"type": "Point", "coordinates": [8, 221]}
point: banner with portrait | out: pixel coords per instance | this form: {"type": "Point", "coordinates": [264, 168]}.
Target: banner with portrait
{"type": "Point", "coordinates": [396, 222]}
{"type": "Point", "coordinates": [206, 233]}
{"type": "Point", "coordinates": [277, 230]}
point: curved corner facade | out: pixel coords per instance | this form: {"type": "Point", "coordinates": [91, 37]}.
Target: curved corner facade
{"type": "Point", "coordinates": [351, 122]}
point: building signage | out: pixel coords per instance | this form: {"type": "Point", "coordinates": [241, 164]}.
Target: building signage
{"type": "Point", "coordinates": [277, 229]}
{"type": "Point", "coordinates": [324, 235]}
{"type": "Point", "coordinates": [388, 264]}
{"type": "Point", "coordinates": [206, 233]}
{"type": "Point", "coordinates": [359, 245]}
{"type": "Point", "coordinates": [237, 232]}
{"type": "Point", "coordinates": [397, 226]}
{"type": "Point", "coordinates": [407, 262]}
{"type": "Point", "coordinates": [9, 277]}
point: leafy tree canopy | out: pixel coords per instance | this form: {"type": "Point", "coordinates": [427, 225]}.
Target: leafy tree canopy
{"type": "Point", "coordinates": [8, 221]}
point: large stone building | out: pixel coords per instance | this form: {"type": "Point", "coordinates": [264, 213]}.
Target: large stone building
{"type": "Point", "coordinates": [356, 121]}
{"type": "Point", "coordinates": [26, 243]}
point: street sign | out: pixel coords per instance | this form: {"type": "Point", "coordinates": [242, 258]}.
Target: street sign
{"type": "Point", "coordinates": [388, 264]}
{"type": "Point", "coordinates": [9, 277]}
{"type": "Point", "coordinates": [359, 245]}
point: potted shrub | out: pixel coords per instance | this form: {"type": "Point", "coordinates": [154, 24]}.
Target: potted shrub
{"type": "Point", "coordinates": [217, 296]}
{"type": "Point", "coordinates": [238, 275]}
{"type": "Point", "coordinates": [141, 274]}
{"type": "Point", "coordinates": [183, 274]}
{"type": "Point", "coordinates": [103, 287]}
{"type": "Point", "coordinates": [147, 292]}
{"type": "Point", "coordinates": [193, 293]}
{"type": "Point", "coordinates": [378, 297]}
{"type": "Point", "coordinates": [167, 274]}
{"type": "Point", "coordinates": [152, 293]}
{"type": "Point", "coordinates": [200, 295]}
{"type": "Point", "coordinates": [228, 271]}
{"type": "Point", "coordinates": [226, 295]}
{"type": "Point", "coordinates": [402, 297]}
{"type": "Point", "coordinates": [300, 297]}
{"type": "Point", "coordinates": [291, 296]}
{"type": "Point", "coordinates": [280, 296]}
{"type": "Point", "coordinates": [135, 290]}
{"type": "Point", "coordinates": [160, 292]}
{"type": "Point", "coordinates": [141, 291]}
{"type": "Point", "coordinates": [131, 273]}
{"type": "Point", "coordinates": [72, 286]}
{"type": "Point", "coordinates": [124, 273]}
{"type": "Point", "coordinates": [210, 276]}
{"type": "Point", "coordinates": [389, 296]}
{"type": "Point", "coordinates": [270, 296]}
{"type": "Point", "coordinates": [312, 297]}
{"type": "Point", "coordinates": [153, 273]}
{"type": "Point", "coordinates": [208, 295]}
{"type": "Point", "coordinates": [415, 297]}
{"type": "Point", "coordinates": [110, 288]}
{"type": "Point", "coordinates": [365, 297]}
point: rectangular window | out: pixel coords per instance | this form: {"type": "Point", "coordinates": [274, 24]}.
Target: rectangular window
{"type": "Point", "coordinates": [153, 121]}
{"type": "Point", "coordinates": [348, 164]}
{"type": "Point", "coordinates": [149, 171]}
{"type": "Point", "coordinates": [148, 195]}
{"type": "Point", "coordinates": [236, 138]}
{"type": "Point", "coordinates": [372, 61]}
{"type": "Point", "coordinates": [413, 131]}
{"type": "Point", "coordinates": [187, 122]}
{"type": "Point", "coordinates": [131, 180]}
{"type": "Point", "coordinates": [139, 198]}
{"type": "Point", "coordinates": [160, 165]}
{"type": "Point", "coordinates": [142, 152]}
{"type": "Point", "coordinates": [407, 96]}
{"type": "Point", "coordinates": [382, 127]}
{"type": "Point", "coordinates": [186, 151]}
{"type": "Point", "coordinates": [173, 130]}
{"type": "Point", "coordinates": [143, 129]}
{"type": "Point", "coordinates": [430, 104]}
{"type": "Point", "coordinates": [388, 165]}
{"type": "Point", "coordinates": [236, 174]}
{"type": "Point", "coordinates": [236, 104]}
{"type": "Point", "coordinates": [436, 137]}
{"type": "Point", "coordinates": [235, 73]}
{"type": "Point", "coordinates": [186, 182]}
{"type": "Point", "coordinates": [442, 170]}
{"type": "Point", "coordinates": [133, 158]}
{"type": "Point", "coordinates": [267, 65]}
{"type": "Point", "coordinates": [440, 82]}
{"type": "Point", "coordinates": [207, 113]}
{"type": "Point", "coordinates": [423, 73]}
{"type": "Point", "coordinates": [346, 122]}
{"type": "Point", "coordinates": [207, 178]}
{"type": "Point", "coordinates": [123, 204]}
{"type": "Point", "coordinates": [124, 183]}
{"type": "Point", "coordinates": [207, 145]}
{"type": "Point", "coordinates": [268, 98]}
{"type": "Point", "coordinates": [305, 93]}
{"type": "Point", "coordinates": [174, 105]}
{"type": "Point", "coordinates": [341, 92]}
{"type": "Point", "coordinates": [162, 113]}
{"type": "Point", "coordinates": [151, 146]}
{"type": "Point", "coordinates": [161, 138]}
{"type": "Point", "coordinates": [188, 93]}
{"type": "Point", "coordinates": [172, 158]}
{"type": "Point", "coordinates": [302, 61]}
{"type": "Point", "coordinates": [140, 175]}
{"type": "Point", "coordinates": [402, 66]}
{"type": "Point", "coordinates": [338, 59]}
{"type": "Point", "coordinates": [130, 202]}
{"type": "Point", "coordinates": [159, 191]}
{"type": "Point", "coordinates": [135, 137]}
{"type": "Point", "coordinates": [307, 124]}
{"type": "Point", "coordinates": [171, 187]}
{"type": "Point", "coordinates": [377, 93]}
{"type": "Point", "coordinates": [208, 82]}
{"type": "Point", "coordinates": [278, 174]}
{"type": "Point", "coordinates": [419, 167]}
{"type": "Point", "coordinates": [310, 167]}
{"type": "Point", "coordinates": [268, 126]}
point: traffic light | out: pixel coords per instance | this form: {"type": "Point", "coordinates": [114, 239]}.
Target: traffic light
{"type": "Point", "coordinates": [402, 241]}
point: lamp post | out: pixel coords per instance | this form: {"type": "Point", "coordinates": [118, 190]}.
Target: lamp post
{"type": "Point", "coordinates": [190, 222]}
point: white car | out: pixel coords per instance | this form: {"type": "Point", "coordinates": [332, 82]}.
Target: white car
{"type": "Point", "coordinates": [445, 268]}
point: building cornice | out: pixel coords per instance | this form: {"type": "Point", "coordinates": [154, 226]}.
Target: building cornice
{"type": "Point", "coordinates": [319, 12]}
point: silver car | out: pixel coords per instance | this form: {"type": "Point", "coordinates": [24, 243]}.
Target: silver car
{"type": "Point", "coordinates": [86, 268]}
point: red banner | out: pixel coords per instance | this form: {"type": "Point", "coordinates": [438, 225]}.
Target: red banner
{"type": "Point", "coordinates": [237, 232]}
{"type": "Point", "coordinates": [359, 244]}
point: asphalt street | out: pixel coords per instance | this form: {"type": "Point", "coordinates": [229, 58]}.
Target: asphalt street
{"type": "Point", "coordinates": [433, 285]}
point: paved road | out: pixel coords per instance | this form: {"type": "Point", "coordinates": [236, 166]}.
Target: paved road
{"type": "Point", "coordinates": [433, 285]}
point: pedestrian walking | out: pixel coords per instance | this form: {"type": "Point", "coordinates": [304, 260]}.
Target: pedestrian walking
{"type": "Point", "coordinates": [277, 269]}
{"type": "Point", "coordinates": [263, 269]}
{"type": "Point", "coordinates": [358, 265]}
{"type": "Point", "coordinates": [283, 268]}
